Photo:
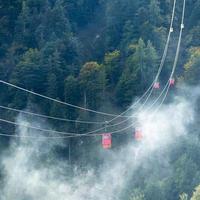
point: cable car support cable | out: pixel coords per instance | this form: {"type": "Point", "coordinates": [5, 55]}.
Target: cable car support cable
{"type": "Point", "coordinates": [81, 135]}
{"type": "Point", "coordinates": [90, 110]}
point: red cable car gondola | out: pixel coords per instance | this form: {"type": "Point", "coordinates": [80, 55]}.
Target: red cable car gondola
{"type": "Point", "coordinates": [138, 134]}
{"type": "Point", "coordinates": [171, 81]}
{"type": "Point", "coordinates": [107, 140]}
{"type": "Point", "coordinates": [156, 85]}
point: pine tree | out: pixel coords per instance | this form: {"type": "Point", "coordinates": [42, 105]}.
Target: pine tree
{"type": "Point", "coordinates": [32, 71]}
{"type": "Point", "coordinates": [151, 64]}
{"type": "Point", "coordinates": [72, 95]}
{"type": "Point", "coordinates": [92, 82]}
{"type": "Point", "coordinates": [154, 12]}
{"type": "Point", "coordinates": [113, 68]}
{"type": "Point", "coordinates": [192, 68]}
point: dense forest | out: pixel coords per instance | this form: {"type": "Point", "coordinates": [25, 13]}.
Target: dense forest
{"type": "Point", "coordinates": [100, 55]}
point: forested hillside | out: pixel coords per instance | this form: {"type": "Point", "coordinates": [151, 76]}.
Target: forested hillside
{"type": "Point", "coordinates": [101, 55]}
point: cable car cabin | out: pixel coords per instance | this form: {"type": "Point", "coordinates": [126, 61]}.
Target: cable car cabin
{"type": "Point", "coordinates": [107, 140]}
{"type": "Point", "coordinates": [171, 81]}
{"type": "Point", "coordinates": [138, 134]}
{"type": "Point", "coordinates": [156, 85]}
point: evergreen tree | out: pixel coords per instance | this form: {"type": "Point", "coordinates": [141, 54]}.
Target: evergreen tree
{"type": "Point", "coordinates": [33, 73]}
{"type": "Point", "coordinates": [72, 95]}
{"type": "Point", "coordinates": [127, 87]}
{"type": "Point", "coordinates": [113, 68]}
{"type": "Point", "coordinates": [151, 63]}
{"type": "Point", "coordinates": [154, 12]}
{"type": "Point", "coordinates": [136, 62]}
{"type": "Point", "coordinates": [92, 82]}
{"type": "Point", "coordinates": [192, 66]}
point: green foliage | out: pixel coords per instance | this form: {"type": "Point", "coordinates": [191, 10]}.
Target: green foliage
{"type": "Point", "coordinates": [186, 170]}
{"type": "Point", "coordinates": [193, 37]}
{"type": "Point", "coordinates": [154, 12]}
{"type": "Point", "coordinates": [72, 95]}
{"type": "Point", "coordinates": [151, 61]}
{"type": "Point", "coordinates": [127, 87]}
{"type": "Point", "coordinates": [192, 67]}
{"type": "Point", "coordinates": [92, 83]}
{"type": "Point", "coordinates": [43, 47]}
{"type": "Point", "coordinates": [29, 72]}
{"type": "Point", "coordinates": [129, 34]}
{"type": "Point", "coordinates": [82, 11]}
{"type": "Point", "coordinates": [52, 87]}
{"type": "Point", "coordinates": [113, 68]}
{"type": "Point", "coordinates": [141, 67]}
{"type": "Point", "coordinates": [132, 78]}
